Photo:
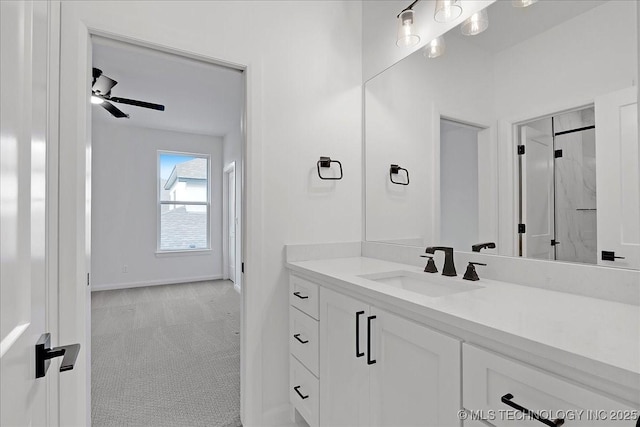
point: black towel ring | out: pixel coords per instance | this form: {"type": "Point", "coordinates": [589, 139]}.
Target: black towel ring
{"type": "Point", "coordinates": [325, 162]}
{"type": "Point", "coordinates": [394, 170]}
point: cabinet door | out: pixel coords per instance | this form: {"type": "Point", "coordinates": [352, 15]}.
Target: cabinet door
{"type": "Point", "coordinates": [416, 378]}
{"type": "Point", "coordinates": [344, 374]}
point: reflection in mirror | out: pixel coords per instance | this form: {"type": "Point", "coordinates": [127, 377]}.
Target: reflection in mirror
{"type": "Point", "coordinates": [555, 80]}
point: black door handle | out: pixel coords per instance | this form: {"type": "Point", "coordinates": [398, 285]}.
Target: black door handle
{"type": "Point", "coordinates": [369, 360]}
{"type": "Point", "coordinates": [358, 353]}
{"type": "Point", "coordinates": [44, 353]}
{"type": "Point", "coordinates": [297, 336]}
{"type": "Point", "coordinates": [506, 399]}
{"type": "Point", "coordinates": [300, 296]}
{"type": "Point", "coordinates": [297, 389]}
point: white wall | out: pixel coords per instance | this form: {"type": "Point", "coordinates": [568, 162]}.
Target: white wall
{"type": "Point", "coordinates": [569, 65]}
{"type": "Point", "coordinates": [304, 101]}
{"type": "Point", "coordinates": [124, 207]}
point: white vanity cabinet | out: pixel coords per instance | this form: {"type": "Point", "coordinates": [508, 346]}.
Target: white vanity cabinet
{"type": "Point", "coordinates": [378, 369]}
{"type": "Point", "coordinates": [506, 388]}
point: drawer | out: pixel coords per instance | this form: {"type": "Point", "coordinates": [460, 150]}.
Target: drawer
{"type": "Point", "coordinates": [494, 384]}
{"type": "Point", "coordinates": [304, 296]}
{"type": "Point", "coordinates": [304, 392]}
{"type": "Point", "coordinates": [303, 339]}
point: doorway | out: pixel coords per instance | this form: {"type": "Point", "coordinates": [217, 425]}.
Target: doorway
{"type": "Point", "coordinates": [164, 319]}
{"type": "Point", "coordinates": [558, 203]}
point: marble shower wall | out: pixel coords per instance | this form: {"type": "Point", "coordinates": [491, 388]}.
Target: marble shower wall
{"type": "Point", "coordinates": [575, 188]}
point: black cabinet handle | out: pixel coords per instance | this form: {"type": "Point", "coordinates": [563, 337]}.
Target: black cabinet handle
{"type": "Point", "coordinates": [610, 256]}
{"type": "Point", "coordinates": [506, 399]}
{"type": "Point", "coordinates": [358, 353]}
{"type": "Point", "coordinates": [300, 296]}
{"type": "Point", "coordinates": [297, 389]}
{"type": "Point", "coordinates": [369, 360]}
{"type": "Point", "coordinates": [297, 336]}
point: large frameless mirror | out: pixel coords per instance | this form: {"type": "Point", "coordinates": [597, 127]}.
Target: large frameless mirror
{"type": "Point", "coordinates": [520, 140]}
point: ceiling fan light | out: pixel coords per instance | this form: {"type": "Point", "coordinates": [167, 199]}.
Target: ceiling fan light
{"type": "Point", "coordinates": [407, 36]}
{"type": "Point", "coordinates": [476, 23]}
{"type": "Point", "coordinates": [434, 48]}
{"type": "Point", "coordinates": [522, 3]}
{"type": "Point", "coordinates": [96, 100]}
{"type": "Point", "coordinates": [447, 10]}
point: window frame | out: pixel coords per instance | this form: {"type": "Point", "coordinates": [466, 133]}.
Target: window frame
{"type": "Point", "coordinates": [160, 203]}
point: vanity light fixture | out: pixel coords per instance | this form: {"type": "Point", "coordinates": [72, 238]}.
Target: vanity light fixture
{"type": "Point", "coordinates": [476, 23]}
{"type": "Point", "coordinates": [522, 3]}
{"type": "Point", "coordinates": [434, 48]}
{"type": "Point", "coordinates": [447, 10]}
{"type": "Point", "coordinates": [407, 36]}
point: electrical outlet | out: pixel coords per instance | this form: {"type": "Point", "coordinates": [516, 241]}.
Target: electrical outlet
{"type": "Point", "coordinates": [125, 268]}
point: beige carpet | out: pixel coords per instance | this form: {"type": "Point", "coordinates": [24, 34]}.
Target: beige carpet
{"type": "Point", "coordinates": [166, 356]}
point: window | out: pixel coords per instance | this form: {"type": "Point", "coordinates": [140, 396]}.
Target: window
{"type": "Point", "coordinates": [183, 201]}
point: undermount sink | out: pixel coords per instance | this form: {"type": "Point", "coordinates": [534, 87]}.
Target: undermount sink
{"type": "Point", "coordinates": [422, 283]}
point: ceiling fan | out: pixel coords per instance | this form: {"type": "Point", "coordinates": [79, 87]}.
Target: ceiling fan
{"type": "Point", "coordinates": [101, 94]}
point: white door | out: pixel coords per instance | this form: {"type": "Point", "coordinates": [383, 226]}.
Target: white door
{"type": "Point", "coordinates": [23, 114]}
{"type": "Point", "coordinates": [617, 177]}
{"type": "Point", "coordinates": [232, 225]}
{"type": "Point", "coordinates": [344, 388]}
{"type": "Point", "coordinates": [416, 378]}
{"type": "Point", "coordinates": [537, 194]}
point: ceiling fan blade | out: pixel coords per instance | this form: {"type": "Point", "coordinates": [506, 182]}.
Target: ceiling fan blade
{"type": "Point", "coordinates": [102, 84]}
{"type": "Point", "coordinates": [137, 103]}
{"type": "Point", "coordinates": [115, 111]}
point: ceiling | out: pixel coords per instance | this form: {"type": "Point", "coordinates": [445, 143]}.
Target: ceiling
{"type": "Point", "coordinates": [199, 97]}
{"type": "Point", "coordinates": [510, 25]}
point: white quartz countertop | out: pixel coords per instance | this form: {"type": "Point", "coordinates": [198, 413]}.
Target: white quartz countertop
{"type": "Point", "coordinates": [597, 336]}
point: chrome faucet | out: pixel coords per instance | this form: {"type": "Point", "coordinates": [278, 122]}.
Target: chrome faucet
{"type": "Point", "coordinates": [449, 268]}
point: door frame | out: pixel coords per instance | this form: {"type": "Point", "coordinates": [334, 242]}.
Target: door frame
{"type": "Point", "coordinates": [508, 168]}
{"type": "Point", "coordinates": [231, 167]}
{"type": "Point", "coordinates": [74, 229]}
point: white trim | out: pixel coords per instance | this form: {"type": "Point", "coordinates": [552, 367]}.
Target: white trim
{"type": "Point", "coordinates": [236, 286]}
{"type": "Point", "coordinates": [231, 167]}
{"type": "Point", "coordinates": [185, 252]}
{"type": "Point", "coordinates": [112, 286]}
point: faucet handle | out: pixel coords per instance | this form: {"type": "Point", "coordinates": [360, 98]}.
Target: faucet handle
{"type": "Point", "coordinates": [471, 273]}
{"type": "Point", "coordinates": [431, 265]}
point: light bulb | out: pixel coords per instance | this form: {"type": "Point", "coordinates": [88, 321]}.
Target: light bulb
{"type": "Point", "coordinates": [434, 48]}
{"type": "Point", "coordinates": [406, 31]}
{"type": "Point", "coordinates": [522, 3]}
{"type": "Point", "coordinates": [447, 10]}
{"type": "Point", "coordinates": [96, 100]}
{"type": "Point", "coordinates": [476, 23]}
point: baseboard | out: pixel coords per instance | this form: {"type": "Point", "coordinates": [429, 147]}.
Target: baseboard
{"type": "Point", "coordinates": [112, 286]}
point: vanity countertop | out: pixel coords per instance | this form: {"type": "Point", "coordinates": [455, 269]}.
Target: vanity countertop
{"type": "Point", "coordinates": [593, 335]}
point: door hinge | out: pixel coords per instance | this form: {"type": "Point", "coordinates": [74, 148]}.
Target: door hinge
{"type": "Point", "coordinates": [88, 278]}
{"type": "Point", "coordinates": [522, 228]}
{"type": "Point", "coordinates": [242, 267]}
{"type": "Point", "coordinates": [558, 153]}
{"type": "Point", "coordinates": [520, 150]}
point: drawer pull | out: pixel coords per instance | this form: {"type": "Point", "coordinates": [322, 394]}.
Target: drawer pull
{"type": "Point", "coordinates": [302, 396]}
{"type": "Point", "coordinates": [300, 296]}
{"type": "Point", "coordinates": [370, 361]}
{"type": "Point", "coordinates": [297, 336]}
{"type": "Point", "coordinates": [358, 353]}
{"type": "Point", "coordinates": [506, 399]}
